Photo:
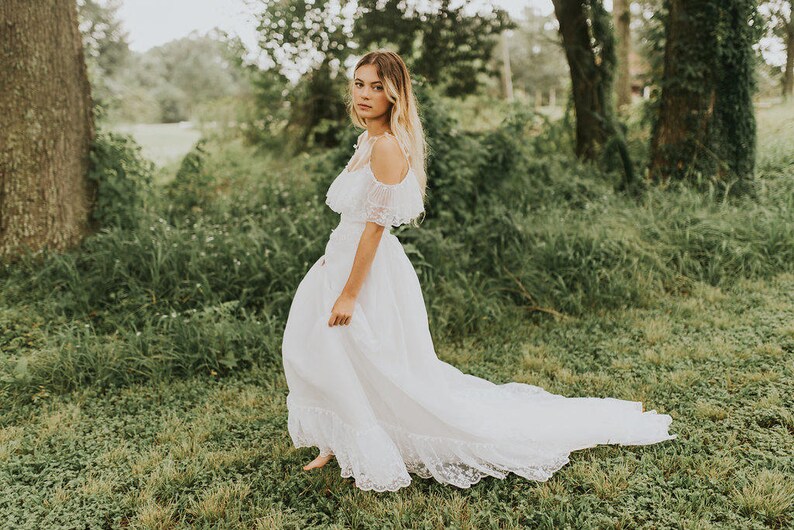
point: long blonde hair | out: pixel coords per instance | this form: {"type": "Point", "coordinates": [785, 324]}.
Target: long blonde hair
{"type": "Point", "coordinates": [404, 113]}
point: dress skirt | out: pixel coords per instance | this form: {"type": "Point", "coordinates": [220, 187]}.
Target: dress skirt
{"type": "Point", "coordinates": [375, 394]}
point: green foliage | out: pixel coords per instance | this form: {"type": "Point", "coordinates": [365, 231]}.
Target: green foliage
{"type": "Point", "coordinates": [193, 188]}
{"type": "Point", "coordinates": [734, 116]}
{"type": "Point", "coordinates": [104, 40]}
{"type": "Point", "coordinates": [448, 46]}
{"type": "Point", "coordinates": [266, 114]}
{"type": "Point", "coordinates": [313, 107]}
{"type": "Point", "coordinates": [589, 43]}
{"type": "Point", "coordinates": [651, 36]}
{"type": "Point", "coordinates": [172, 82]}
{"type": "Point", "coordinates": [105, 45]}
{"type": "Point", "coordinates": [444, 46]}
{"type": "Point", "coordinates": [777, 25]}
{"type": "Point", "coordinates": [317, 109]}
{"type": "Point", "coordinates": [537, 61]}
{"type": "Point", "coordinates": [320, 26]}
{"type": "Point", "coordinates": [214, 452]}
{"type": "Point", "coordinates": [452, 163]}
{"type": "Point", "coordinates": [123, 181]}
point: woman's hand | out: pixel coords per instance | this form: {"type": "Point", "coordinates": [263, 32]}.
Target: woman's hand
{"type": "Point", "coordinates": [342, 311]}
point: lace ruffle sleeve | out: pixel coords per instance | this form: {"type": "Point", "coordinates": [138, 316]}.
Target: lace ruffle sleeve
{"type": "Point", "coordinates": [393, 204]}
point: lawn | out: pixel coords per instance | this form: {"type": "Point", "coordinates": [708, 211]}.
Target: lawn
{"type": "Point", "coordinates": [210, 452]}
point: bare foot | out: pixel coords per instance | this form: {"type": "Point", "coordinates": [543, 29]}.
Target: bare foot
{"type": "Point", "coordinates": [318, 462]}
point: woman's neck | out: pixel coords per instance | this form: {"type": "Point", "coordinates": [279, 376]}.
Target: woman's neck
{"type": "Point", "coordinates": [377, 129]}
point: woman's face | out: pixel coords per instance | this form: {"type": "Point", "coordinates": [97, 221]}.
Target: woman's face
{"type": "Point", "coordinates": [369, 95]}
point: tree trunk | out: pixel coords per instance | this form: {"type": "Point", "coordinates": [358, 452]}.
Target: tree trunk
{"type": "Point", "coordinates": [788, 74]}
{"type": "Point", "coordinates": [687, 100]}
{"type": "Point", "coordinates": [586, 79]}
{"type": "Point", "coordinates": [734, 138]}
{"type": "Point", "coordinates": [589, 43]}
{"type": "Point", "coordinates": [706, 123]}
{"type": "Point", "coordinates": [622, 17]}
{"type": "Point", "coordinates": [46, 128]}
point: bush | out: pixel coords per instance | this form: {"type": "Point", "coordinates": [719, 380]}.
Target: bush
{"type": "Point", "coordinates": [123, 178]}
{"type": "Point", "coordinates": [193, 188]}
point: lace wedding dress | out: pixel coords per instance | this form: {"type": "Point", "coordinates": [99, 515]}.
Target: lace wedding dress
{"type": "Point", "coordinates": [374, 393]}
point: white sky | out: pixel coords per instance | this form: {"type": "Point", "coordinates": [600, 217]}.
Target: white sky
{"type": "Point", "coordinates": [154, 22]}
{"type": "Point", "coordinates": [151, 23]}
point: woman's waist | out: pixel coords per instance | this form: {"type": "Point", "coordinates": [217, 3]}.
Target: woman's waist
{"type": "Point", "coordinates": [350, 228]}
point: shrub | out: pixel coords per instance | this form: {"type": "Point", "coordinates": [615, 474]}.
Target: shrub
{"type": "Point", "coordinates": [123, 178]}
{"type": "Point", "coordinates": [193, 187]}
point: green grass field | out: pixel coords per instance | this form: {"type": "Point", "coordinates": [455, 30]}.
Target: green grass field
{"type": "Point", "coordinates": [162, 143]}
{"type": "Point", "coordinates": [192, 448]}
{"type": "Point", "coordinates": [215, 453]}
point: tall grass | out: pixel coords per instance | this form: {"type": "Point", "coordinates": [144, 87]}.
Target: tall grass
{"type": "Point", "coordinates": [515, 228]}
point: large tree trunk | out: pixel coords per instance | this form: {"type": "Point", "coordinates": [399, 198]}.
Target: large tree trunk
{"type": "Point", "coordinates": [589, 43]}
{"type": "Point", "coordinates": [46, 127]}
{"type": "Point", "coordinates": [706, 123]}
{"type": "Point", "coordinates": [622, 17]}
{"type": "Point", "coordinates": [788, 74]}
{"type": "Point", "coordinates": [586, 78]}
{"type": "Point", "coordinates": [687, 100]}
{"type": "Point", "coordinates": [734, 138]}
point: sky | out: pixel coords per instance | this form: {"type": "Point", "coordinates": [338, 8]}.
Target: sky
{"type": "Point", "coordinates": [151, 23]}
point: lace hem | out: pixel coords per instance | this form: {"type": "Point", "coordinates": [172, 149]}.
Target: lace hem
{"type": "Point", "coordinates": [381, 456]}
{"type": "Point", "coordinates": [366, 198]}
{"type": "Point", "coordinates": [392, 204]}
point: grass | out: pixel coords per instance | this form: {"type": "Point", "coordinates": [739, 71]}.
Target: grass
{"type": "Point", "coordinates": [214, 452]}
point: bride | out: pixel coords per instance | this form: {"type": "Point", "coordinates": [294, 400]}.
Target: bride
{"type": "Point", "coordinates": [365, 384]}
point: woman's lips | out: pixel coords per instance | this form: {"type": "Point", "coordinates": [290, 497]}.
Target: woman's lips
{"type": "Point", "coordinates": [361, 106]}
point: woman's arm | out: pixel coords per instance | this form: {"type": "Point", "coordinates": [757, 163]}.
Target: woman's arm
{"type": "Point", "coordinates": [387, 164]}
{"type": "Point", "coordinates": [365, 254]}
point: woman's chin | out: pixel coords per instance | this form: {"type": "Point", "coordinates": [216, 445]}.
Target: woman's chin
{"type": "Point", "coordinates": [368, 114]}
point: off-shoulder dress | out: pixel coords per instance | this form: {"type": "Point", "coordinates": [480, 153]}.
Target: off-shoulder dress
{"type": "Point", "coordinates": [375, 394]}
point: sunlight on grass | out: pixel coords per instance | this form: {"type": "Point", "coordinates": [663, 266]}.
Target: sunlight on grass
{"type": "Point", "coordinates": [221, 502]}
{"type": "Point", "coordinates": [154, 516]}
{"type": "Point", "coordinates": [769, 495]}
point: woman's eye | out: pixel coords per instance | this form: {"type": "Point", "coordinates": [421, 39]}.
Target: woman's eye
{"type": "Point", "coordinates": [359, 85]}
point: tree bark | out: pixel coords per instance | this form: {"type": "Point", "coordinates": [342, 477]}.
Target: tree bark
{"type": "Point", "coordinates": [706, 127]}
{"type": "Point", "coordinates": [687, 100]}
{"type": "Point", "coordinates": [46, 128]}
{"type": "Point", "coordinates": [622, 17]}
{"type": "Point", "coordinates": [589, 42]}
{"type": "Point", "coordinates": [586, 79]}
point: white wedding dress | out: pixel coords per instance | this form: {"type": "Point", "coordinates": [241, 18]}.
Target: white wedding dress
{"type": "Point", "coordinates": [374, 393]}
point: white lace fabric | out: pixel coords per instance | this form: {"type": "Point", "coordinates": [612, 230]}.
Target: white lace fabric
{"type": "Point", "coordinates": [359, 195]}
{"type": "Point", "coordinates": [382, 455]}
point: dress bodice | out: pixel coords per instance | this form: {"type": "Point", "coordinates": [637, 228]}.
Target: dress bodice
{"type": "Point", "coordinates": [357, 194]}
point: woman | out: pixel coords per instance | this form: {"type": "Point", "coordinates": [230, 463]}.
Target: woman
{"type": "Point", "coordinates": [365, 384]}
